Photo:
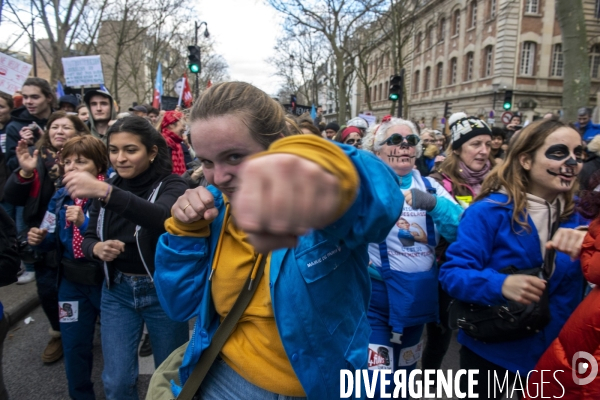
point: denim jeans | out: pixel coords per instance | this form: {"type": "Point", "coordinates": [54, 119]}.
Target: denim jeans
{"type": "Point", "coordinates": [77, 330]}
{"type": "Point", "coordinates": [46, 279]}
{"type": "Point", "coordinates": [222, 382]}
{"type": "Point", "coordinates": [131, 301]}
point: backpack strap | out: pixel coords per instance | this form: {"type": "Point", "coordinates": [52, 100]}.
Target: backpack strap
{"type": "Point", "coordinates": [428, 220]}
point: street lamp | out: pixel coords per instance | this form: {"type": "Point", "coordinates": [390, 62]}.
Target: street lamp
{"type": "Point", "coordinates": [206, 35]}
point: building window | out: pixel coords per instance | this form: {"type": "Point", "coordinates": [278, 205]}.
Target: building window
{"type": "Point", "coordinates": [473, 14]}
{"type": "Point", "coordinates": [527, 58]}
{"type": "Point", "coordinates": [492, 8]}
{"type": "Point", "coordinates": [595, 61]}
{"type": "Point", "coordinates": [597, 10]}
{"type": "Point", "coordinates": [442, 30]}
{"type": "Point", "coordinates": [416, 83]}
{"type": "Point", "coordinates": [489, 59]}
{"type": "Point", "coordinates": [531, 6]}
{"type": "Point", "coordinates": [418, 41]}
{"type": "Point", "coordinates": [427, 79]}
{"type": "Point", "coordinates": [557, 60]}
{"type": "Point", "coordinates": [374, 93]}
{"type": "Point", "coordinates": [380, 92]}
{"type": "Point", "coordinates": [440, 74]}
{"type": "Point", "coordinates": [453, 69]}
{"type": "Point", "coordinates": [456, 24]}
{"type": "Point", "coordinates": [469, 67]}
{"type": "Point", "coordinates": [430, 36]}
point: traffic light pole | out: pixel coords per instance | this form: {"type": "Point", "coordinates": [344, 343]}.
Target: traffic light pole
{"type": "Point", "coordinates": [196, 84]}
{"type": "Point", "coordinates": [401, 94]}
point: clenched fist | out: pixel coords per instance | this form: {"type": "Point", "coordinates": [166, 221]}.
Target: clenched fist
{"type": "Point", "coordinates": [108, 250]}
{"type": "Point", "coordinates": [35, 236]}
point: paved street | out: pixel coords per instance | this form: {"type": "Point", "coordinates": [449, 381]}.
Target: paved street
{"type": "Point", "coordinates": [27, 378]}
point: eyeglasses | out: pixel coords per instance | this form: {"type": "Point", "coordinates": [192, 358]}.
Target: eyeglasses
{"type": "Point", "coordinates": [351, 142]}
{"type": "Point", "coordinates": [396, 139]}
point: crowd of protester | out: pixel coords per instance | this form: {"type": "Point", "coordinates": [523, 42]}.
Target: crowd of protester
{"type": "Point", "coordinates": [302, 247]}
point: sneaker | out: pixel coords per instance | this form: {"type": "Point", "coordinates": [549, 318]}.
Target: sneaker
{"type": "Point", "coordinates": [146, 347]}
{"type": "Point", "coordinates": [53, 351]}
{"type": "Point", "coordinates": [26, 277]}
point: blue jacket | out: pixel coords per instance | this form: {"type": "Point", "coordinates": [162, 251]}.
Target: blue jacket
{"type": "Point", "coordinates": [590, 131]}
{"type": "Point", "coordinates": [320, 310]}
{"type": "Point", "coordinates": [413, 296]}
{"type": "Point", "coordinates": [62, 237]}
{"type": "Point", "coordinates": [486, 243]}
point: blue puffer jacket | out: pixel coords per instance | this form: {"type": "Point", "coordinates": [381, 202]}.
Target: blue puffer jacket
{"type": "Point", "coordinates": [487, 243]}
{"type": "Point", "coordinates": [320, 309]}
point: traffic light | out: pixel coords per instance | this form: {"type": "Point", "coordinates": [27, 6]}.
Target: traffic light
{"type": "Point", "coordinates": [508, 99]}
{"type": "Point", "coordinates": [194, 59]}
{"type": "Point", "coordinates": [395, 87]}
{"type": "Point", "coordinates": [293, 103]}
{"type": "Point", "coordinates": [447, 109]}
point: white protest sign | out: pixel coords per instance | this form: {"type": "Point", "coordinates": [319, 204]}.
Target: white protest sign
{"type": "Point", "coordinates": [371, 119]}
{"type": "Point", "coordinates": [13, 74]}
{"type": "Point", "coordinates": [83, 71]}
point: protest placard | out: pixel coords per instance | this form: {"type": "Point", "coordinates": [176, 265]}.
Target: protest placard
{"type": "Point", "coordinates": [83, 71]}
{"type": "Point", "coordinates": [13, 74]}
{"type": "Point", "coordinates": [371, 119]}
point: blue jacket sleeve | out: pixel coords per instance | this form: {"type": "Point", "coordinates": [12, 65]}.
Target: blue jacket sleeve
{"type": "Point", "coordinates": [446, 217]}
{"type": "Point", "coordinates": [378, 203]}
{"type": "Point", "coordinates": [464, 275]}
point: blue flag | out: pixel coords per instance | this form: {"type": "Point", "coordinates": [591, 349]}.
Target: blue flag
{"type": "Point", "coordinates": [60, 92]}
{"type": "Point", "coordinates": [313, 112]}
{"type": "Point", "coordinates": [158, 88]}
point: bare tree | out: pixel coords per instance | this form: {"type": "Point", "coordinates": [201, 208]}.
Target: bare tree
{"type": "Point", "coordinates": [336, 20]}
{"type": "Point", "coordinates": [576, 80]}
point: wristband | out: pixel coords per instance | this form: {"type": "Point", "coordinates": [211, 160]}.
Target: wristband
{"type": "Point", "coordinates": [22, 174]}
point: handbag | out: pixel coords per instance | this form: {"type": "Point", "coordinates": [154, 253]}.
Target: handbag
{"type": "Point", "coordinates": [168, 370]}
{"type": "Point", "coordinates": [512, 321]}
{"type": "Point", "coordinates": [82, 272]}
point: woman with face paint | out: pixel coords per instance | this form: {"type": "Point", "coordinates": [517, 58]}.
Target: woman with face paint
{"type": "Point", "coordinates": [510, 224]}
{"type": "Point", "coordinates": [404, 273]}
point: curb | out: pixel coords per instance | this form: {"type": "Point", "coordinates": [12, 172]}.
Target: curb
{"type": "Point", "coordinates": [14, 314]}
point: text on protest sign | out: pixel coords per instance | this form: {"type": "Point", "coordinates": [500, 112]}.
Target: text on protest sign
{"type": "Point", "coordinates": [83, 71]}
{"type": "Point", "coordinates": [13, 74]}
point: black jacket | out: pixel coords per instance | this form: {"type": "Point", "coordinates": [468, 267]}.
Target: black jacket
{"type": "Point", "coordinates": [590, 171]}
{"type": "Point", "coordinates": [137, 210]}
{"type": "Point", "coordinates": [20, 118]}
{"type": "Point", "coordinates": [19, 194]}
{"type": "Point", "coordinates": [9, 257]}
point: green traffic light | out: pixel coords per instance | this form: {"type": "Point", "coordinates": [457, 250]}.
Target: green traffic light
{"type": "Point", "coordinates": [506, 106]}
{"type": "Point", "coordinates": [393, 97]}
{"type": "Point", "coordinates": [194, 68]}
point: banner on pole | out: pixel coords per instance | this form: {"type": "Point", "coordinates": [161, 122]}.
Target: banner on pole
{"type": "Point", "coordinates": [83, 71]}
{"type": "Point", "coordinates": [13, 74]}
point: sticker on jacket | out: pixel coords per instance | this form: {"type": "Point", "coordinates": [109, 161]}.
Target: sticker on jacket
{"type": "Point", "coordinates": [380, 357]}
{"type": "Point", "coordinates": [49, 222]}
{"type": "Point", "coordinates": [410, 355]}
{"type": "Point", "coordinates": [68, 311]}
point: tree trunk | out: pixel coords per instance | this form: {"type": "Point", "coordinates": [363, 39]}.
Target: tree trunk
{"type": "Point", "coordinates": [341, 84]}
{"type": "Point", "coordinates": [576, 79]}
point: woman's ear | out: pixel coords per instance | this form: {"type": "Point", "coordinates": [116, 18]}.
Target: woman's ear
{"type": "Point", "coordinates": [526, 161]}
{"type": "Point", "coordinates": [153, 152]}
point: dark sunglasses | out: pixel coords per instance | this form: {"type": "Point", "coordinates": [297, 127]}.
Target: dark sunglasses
{"type": "Point", "coordinates": [353, 141]}
{"type": "Point", "coordinates": [397, 139]}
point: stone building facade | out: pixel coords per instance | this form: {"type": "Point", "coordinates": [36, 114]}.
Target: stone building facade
{"type": "Point", "coordinates": [468, 52]}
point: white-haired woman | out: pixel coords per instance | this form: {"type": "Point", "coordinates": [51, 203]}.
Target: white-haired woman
{"type": "Point", "coordinates": [403, 268]}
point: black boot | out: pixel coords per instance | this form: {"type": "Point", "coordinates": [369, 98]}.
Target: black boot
{"type": "Point", "coordinates": [146, 347]}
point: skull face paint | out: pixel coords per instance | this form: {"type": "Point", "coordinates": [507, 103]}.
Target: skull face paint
{"type": "Point", "coordinates": [554, 166]}
{"type": "Point", "coordinates": [566, 172]}
{"type": "Point", "coordinates": [400, 158]}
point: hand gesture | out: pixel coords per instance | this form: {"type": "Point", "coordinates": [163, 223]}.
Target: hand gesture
{"type": "Point", "coordinates": [27, 135]}
{"type": "Point", "coordinates": [524, 289]}
{"type": "Point", "coordinates": [27, 162]}
{"type": "Point", "coordinates": [83, 185]}
{"type": "Point", "coordinates": [35, 236]}
{"type": "Point", "coordinates": [108, 250]}
{"type": "Point", "coordinates": [282, 196]}
{"type": "Point", "coordinates": [194, 205]}
{"type": "Point", "coordinates": [75, 215]}
{"type": "Point", "coordinates": [567, 241]}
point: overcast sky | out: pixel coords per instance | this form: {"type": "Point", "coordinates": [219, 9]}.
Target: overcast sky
{"type": "Point", "coordinates": [245, 33]}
